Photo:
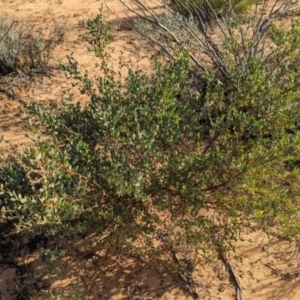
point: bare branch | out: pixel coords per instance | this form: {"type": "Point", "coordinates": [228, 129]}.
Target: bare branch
{"type": "Point", "coordinates": [205, 38]}
{"type": "Point", "coordinates": [9, 29]}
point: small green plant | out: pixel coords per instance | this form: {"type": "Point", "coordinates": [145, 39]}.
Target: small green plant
{"type": "Point", "coordinates": [100, 33]}
{"type": "Point", "coordinates": [23, 48]}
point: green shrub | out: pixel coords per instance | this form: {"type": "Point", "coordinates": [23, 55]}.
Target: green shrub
{"type": "Point", "coordinates": [100, 33]}
{"type": "Point", "coordinates": [23, 48]}
{"type": "Point", "coordinates": [145, 159]}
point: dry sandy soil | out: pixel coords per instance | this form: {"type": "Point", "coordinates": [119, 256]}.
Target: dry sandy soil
{"type": "Point", "coordinates": [262, 271]}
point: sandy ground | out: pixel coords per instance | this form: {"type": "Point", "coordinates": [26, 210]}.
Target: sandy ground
{"type": "Point", "coordinates": [263, 272]}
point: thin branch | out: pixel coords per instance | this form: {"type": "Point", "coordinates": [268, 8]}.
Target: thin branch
{"type": "Point", "coordinates": [9, 29]}
{"type": "Point", "coordinates": [158, 23]}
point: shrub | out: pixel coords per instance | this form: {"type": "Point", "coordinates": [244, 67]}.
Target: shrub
{"type": "Point", "coordinates": [100, 33]}
{"type": "Point", "coordinates": [143, 161]}
{"type": "Point", "coordinates": [23, 48]}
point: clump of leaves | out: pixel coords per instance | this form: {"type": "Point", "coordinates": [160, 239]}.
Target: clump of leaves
{"type": "Point", "coordinates": [100, 33]}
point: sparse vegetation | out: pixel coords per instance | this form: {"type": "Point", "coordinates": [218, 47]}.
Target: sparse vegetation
{"type": "Point", "coordinates": [25, 52]}
{"type": "Point", "coordinates": [23, 48]}
{"type": "Point", "coordinates": [170, 167]}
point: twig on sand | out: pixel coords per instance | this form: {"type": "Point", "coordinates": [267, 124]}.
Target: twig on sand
{"type": "Point", "coordinates": [232, 275]}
